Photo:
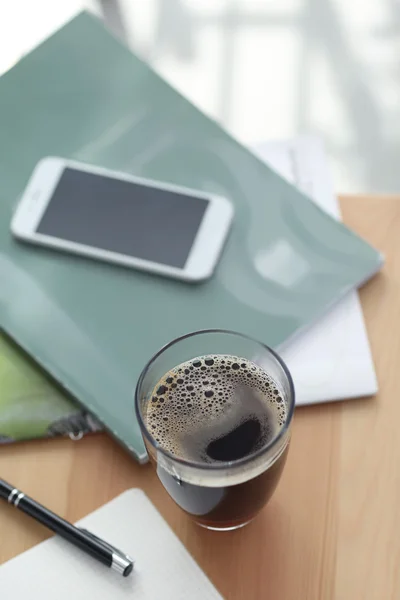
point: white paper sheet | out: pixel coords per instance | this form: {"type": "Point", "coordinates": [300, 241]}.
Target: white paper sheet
{"type": "Point", "coordinates": [332, 359]}
{"type": "Point", "coordinates": [163, 570]}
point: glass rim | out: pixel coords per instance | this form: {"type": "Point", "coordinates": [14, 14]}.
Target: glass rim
{"type": "Point", "coordinates": [223, 464]}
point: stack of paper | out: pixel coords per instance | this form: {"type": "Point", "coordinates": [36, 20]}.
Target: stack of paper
{"type": "Point", "coordinates": [332, 360]}
{"type": "Point", "coordinates": [102, 105]}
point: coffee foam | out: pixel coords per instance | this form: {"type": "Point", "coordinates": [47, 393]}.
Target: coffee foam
{"type": "Point", "coordinates": [200, 400]}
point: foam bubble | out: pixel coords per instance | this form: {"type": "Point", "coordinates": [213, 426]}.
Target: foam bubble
{"type": "Point", "coordinates": [211, 396]}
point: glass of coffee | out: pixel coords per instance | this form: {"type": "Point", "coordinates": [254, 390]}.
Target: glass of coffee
{"type": "Point", "coordinates": [215, 409]}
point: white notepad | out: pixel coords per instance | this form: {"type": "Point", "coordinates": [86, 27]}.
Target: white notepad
{"type": "Point", "coordinates": [163, 570]}
{"type": "Point", "coordinates": [332, 359]}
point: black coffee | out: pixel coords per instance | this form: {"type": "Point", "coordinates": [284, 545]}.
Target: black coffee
{"type": "Point", "coordinates": [215, 409]}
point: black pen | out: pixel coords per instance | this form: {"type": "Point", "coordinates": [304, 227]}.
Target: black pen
{"type": "Point", "coordinates": [81, 538]}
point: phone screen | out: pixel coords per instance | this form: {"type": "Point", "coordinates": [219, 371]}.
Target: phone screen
{"type": "Point", "coordinates": [120, 216]}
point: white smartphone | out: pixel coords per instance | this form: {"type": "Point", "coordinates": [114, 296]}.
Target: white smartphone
{"type": "Point", "coordinates": [112, 216]}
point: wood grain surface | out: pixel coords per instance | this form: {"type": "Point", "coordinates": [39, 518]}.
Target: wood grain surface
{"type": "Point", "coordinates": [332, 529]}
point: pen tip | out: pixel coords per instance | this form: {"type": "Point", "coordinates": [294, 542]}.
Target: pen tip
{"type": "Point", "coordinates": [128, 570]}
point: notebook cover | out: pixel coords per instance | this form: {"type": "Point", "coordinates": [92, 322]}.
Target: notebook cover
{"type": "Point", "coordinates": [163, 568]}
{"type": "Point", "coordinates": [93, 326]}
{"type": "Point", "coordinates": [32, 406]}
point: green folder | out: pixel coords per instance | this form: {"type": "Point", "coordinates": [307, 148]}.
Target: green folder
{"type": "Point", "coordinates": [93, 326]}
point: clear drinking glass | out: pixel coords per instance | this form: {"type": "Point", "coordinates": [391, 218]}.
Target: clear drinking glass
{"type": "Point", "coordinates": [220, 495]}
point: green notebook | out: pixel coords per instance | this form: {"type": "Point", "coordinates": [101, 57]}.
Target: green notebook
{"type": "Point", "coordinates": [93, 326]}
{"type": "Point", "coordinates": [32, 406]}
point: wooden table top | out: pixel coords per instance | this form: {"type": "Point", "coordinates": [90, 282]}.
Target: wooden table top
{"type": "Point", "coordinates": [332, 529]}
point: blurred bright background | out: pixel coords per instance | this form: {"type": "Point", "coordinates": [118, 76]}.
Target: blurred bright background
{"type": "Point", "coordinates": [265, 69]}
